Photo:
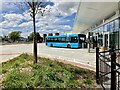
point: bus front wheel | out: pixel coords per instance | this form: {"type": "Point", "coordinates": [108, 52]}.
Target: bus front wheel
{"type": "Point", "coordinates": [68, 46]}
{"type": "Point", "coordinates": [51, 45]}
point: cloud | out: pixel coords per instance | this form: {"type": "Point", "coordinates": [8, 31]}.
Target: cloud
{"type": "Point", "coordinates": [25, 34]}
{"type": "Point", "coordinates": [49, 20]}
{"type": "Point", "coordinates": [8, 24]}
{"type": "Point", "coordinates": [48, 31]}
{"type": "Point", "coordinates": [67, 8]}
{"type": "Point", "coordinates": [26, 24]}
{"type": "Point", "coordinates": [26, 15]}
{"type": "Point", "coordinates": [11, 20]}
{"type": "Point", "coordinates": [67, 27]}
{"type": "Point", "coordinates": [66, 1]}
{"type": "Point", "coordinates": [13, 17]}
{"type": "Point", "coordinates": [52, 22]}
{"type": "Point", "coordinates": [64, 8]}
{"type": "Point", "coordinates": [3, 32]}
{"type": "Point", "coordinates": [60, 9]}
{"type": "Point", "coordinates": [56, 27]}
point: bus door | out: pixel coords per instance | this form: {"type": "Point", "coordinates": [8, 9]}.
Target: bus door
{"type": "Point", "coordinates": [63, 41]}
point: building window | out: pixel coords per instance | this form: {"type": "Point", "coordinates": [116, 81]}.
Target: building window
{"type": "Point", "coordinates": [116, 24]}
{"type": "Point", "coordinates": [101, 29]}
{"type": "Point", "coordinates": [105, 28]}
{"type": "Point", "coordinates": [95, 31]}
{"type": "Point", "coordinates": [100, 40]}
{"type": "Point", "coordinates": [108, 27]}
{"type": "Point", "coordinates": [112, 26]}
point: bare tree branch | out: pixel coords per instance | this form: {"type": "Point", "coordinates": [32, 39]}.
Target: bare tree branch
{"type": "Point", "coordinates": [30, 4]}
{"type": "Point", "coordinates": [27, 4]}
{"type": "Point", "coordinates": [37, 6]}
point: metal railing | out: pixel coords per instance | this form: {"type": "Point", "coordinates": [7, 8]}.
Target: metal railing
{"type": "Point", "coordinates": [108, 69]}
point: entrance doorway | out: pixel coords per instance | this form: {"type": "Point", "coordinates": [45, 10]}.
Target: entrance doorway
{"type": "Point", "coordinates": [114, 39]}
{"type": "Point", "coordinates": [106, 39]}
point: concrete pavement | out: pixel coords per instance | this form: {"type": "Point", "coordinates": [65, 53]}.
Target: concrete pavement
{"type": "Point", "coordinates": [78, 56]}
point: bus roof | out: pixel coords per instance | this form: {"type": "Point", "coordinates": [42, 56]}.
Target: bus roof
{"type": "Point", "coordinates": [56, 36]}
{"type": "Point", "coordinates": [65, 35]}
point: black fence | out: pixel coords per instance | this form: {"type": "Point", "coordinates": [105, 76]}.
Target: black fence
{"type": "Point", "coordinates": [108, 69]}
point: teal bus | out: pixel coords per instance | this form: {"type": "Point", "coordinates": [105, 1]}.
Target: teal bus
{"type": "Point", "coordinates": [68, 40]}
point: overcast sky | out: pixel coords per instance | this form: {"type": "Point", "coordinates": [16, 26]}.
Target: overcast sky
{"type": "Point", "coordinates": [59, 19]}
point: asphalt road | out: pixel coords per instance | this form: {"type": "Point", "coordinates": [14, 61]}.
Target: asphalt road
{"type": "Point", "coordinates": [73, 55]}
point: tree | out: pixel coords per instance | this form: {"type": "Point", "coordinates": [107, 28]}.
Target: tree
{"type": "Point", "coordinates": [35, 7]}
{"type": "Point", "coordinates": [30, 37]}
{"type": "Point", "coordinates": [39, 38]}
{"type": "Point", "coordinates": [1, 38]}
{"type": "Point", "coordinates": [14, 36]}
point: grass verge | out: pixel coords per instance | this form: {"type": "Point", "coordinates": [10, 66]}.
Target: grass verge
{"type": "Point", "coordinates": [20, 72]}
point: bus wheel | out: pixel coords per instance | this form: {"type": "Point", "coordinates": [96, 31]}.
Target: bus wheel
{"type": "Point", "coordinates": [68, 46]}
{"type": "Point", "coordinates": [51, 45]}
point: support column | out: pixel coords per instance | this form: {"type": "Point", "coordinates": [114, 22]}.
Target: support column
{"type": "Point", "coordinates": [108, 39]}
{"type": "Point", "coordinates": [103, 39]}
{"type": "Point", "coordinates": [119, 37]}
{"type": "Point", "coordinates": [118, 29]}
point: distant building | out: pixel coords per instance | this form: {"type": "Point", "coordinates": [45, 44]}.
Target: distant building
{"type": "Point", "coordinates": [44, 35]}
{"type": "Point", "coordinates": [50, 34]}
{"type": "Point", "coordinates": [56, 34]}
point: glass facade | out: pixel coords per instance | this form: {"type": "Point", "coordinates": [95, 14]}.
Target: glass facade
{"type": "Point", "coordinates": [108, 34]}
{"type": "Point", "coordinates": [119, 39]}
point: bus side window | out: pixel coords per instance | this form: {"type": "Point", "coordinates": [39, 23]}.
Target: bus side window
{"type": "Point", "coordinates": [63, 39]}
{"type": "Point", "coordinates": [47, 39]}
{"type": "Point", "coordinates": [52, 40]}
{"type": "Point", "coordinates": [55, 39]}
{"type": "Point", "coordinates": [59, 39]}
{"type": "Point", "coordinates": [67, 39]}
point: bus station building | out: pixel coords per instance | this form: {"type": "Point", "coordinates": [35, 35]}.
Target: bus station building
{"type": "Point", "coordinates": [100, 21]}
